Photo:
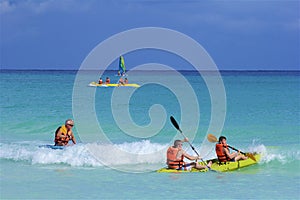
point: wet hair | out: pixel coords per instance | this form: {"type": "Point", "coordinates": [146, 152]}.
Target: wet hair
{"type": "Point", "coordinates": [177, 142]}
{"type": "Point", "coordinates": [221, 138]}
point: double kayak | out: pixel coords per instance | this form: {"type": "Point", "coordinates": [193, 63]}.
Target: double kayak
{"type": "Point", "coordinates": [94, 84]}
{"type": "Point", "coordinates": [219, 166]}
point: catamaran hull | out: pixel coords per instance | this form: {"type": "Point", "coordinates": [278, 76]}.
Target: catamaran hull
{"type": "Point", "coordinates": [94, 84]}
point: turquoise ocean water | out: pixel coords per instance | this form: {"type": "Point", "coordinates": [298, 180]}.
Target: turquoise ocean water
{"type": "Point", "coordinates": [262, 115]}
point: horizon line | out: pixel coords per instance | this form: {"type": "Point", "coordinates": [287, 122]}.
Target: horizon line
{"type": "Point", "coordinates": [182, 70]}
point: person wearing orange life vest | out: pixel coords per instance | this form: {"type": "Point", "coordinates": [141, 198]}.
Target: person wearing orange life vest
{"type": "Point", "coordinates": [100, 81]}
{"type": "Point", "coordinates": [224, 154]}
{"type": "Point", "coordinates": [64, 134]}
{"type": "Point", "coordinates": [176, 155]}
{"type": "Point", "coordinates": [107, 81]}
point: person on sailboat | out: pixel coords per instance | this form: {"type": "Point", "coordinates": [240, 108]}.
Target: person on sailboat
{"type": "Point", "coordinates": [100, 81]}
{"type": "Point", "coordinates": [107, 81]}
{"type": "Point", "coordinates": [126, 81]}
{"type": "Point", "coordinates": [121, 82]}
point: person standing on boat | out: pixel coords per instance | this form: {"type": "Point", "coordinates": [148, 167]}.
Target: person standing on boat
{"type": "Point", "coordinates": [176, 154]}
{"type": "Point", "coordinates": [224, 154]}
{"type": "Point", "coordinates": [64, 134]}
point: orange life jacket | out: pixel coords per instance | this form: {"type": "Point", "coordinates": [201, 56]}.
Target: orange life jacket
{"type": "Point", "coordinates": [220, 153]}
{"type": "Point", "coordinates": [100, 81]}
{"type": "Point", "coordinates": [172, 161]}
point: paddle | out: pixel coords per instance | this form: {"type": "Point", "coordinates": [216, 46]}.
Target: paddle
{"type": "Point", "coordinates": [177, 127]}
{"type": "Point", "coordinates": [213, 139]}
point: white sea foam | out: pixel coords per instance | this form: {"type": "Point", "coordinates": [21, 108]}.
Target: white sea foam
{"type": "Point", "coordinates": [283, 155]}
{"type": "Point", "coordinates": [80, 154]}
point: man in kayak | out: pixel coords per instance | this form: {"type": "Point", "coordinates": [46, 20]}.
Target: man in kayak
{"type": "Point", "coordinates": [224, 154]}
{"type": "Point", "coordinates": [64, 134]}
{"type": "Point", "coordinates": [176, 154]}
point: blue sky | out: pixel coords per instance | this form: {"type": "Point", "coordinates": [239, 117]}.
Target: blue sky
{"type": "Point", "coordinates": [238, 35]}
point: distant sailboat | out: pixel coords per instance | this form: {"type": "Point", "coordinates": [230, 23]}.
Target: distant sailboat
{"type": "Point", "coordinates": [121, 72]}
{"type": "Point", "coordinates": [122, 68]}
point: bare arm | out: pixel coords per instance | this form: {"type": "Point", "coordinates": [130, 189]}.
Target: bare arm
{"type": "Point", "coordinates": [73, 138]}
{"type": "Point", "coordinates": [230, 155]}
{"type": "Point", "coordinates": [186, 155]}
{"type": "Point", "coordinates": [185, 140]}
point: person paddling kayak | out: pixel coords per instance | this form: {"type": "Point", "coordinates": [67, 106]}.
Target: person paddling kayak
{"type": "Point", "coordinates": [176, 154]}
{"type": "Point", "coordinates": [224, 154]}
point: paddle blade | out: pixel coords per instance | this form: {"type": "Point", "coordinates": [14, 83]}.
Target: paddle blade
{"type": "Point", "coordinates": [175, 124]}
{"type": "Point", "coordinates": [251, 156]}
{"type": "Point", "coordinates": [212, 138]}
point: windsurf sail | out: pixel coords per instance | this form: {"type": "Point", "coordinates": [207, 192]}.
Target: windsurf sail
{"type": "Point", "coordinates": [122, 68]}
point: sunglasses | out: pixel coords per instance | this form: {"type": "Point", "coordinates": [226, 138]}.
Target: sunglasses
{"type": "Point", "coordinates": [70, 125]}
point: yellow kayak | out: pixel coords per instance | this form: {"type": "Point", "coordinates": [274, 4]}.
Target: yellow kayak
{"type": "Point", "coordinates": [94, 84]}
{"type": "Point", "coordinates": [219, 166]}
